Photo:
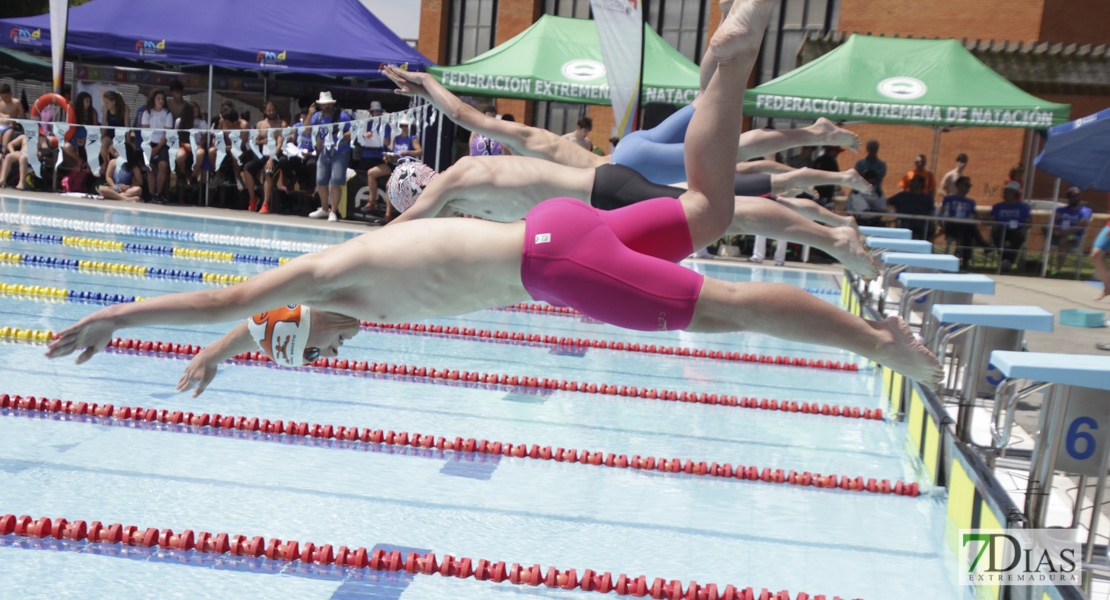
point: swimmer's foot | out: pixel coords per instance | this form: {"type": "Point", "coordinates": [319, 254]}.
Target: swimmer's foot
{"type": "Point", "coordinates": [1104, 293]}
{"type": "Point", "coordinates": [741, 31]}
{"type": "Point", "coordinates": [849, 251]}
{"type": "Point", "coordinates": [856, 181]}
{"type": "Point", "coordinates": [826, 133]}
{"type": "Point", "coordinates": [901, 351]}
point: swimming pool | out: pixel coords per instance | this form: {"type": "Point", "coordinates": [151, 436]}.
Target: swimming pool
{"type": "Point", "coordinates": [517, 509]}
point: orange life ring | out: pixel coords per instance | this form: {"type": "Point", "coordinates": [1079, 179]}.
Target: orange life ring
{"type": "Point", "coordinates": [47, 99]}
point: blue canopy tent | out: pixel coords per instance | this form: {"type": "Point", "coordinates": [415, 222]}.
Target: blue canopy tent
{"type": "Point", "coordinates": [1079, 153]}
{"type": "Point", "coordinates": [327, 37]}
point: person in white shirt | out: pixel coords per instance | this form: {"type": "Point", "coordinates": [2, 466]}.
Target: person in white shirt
{"type": "Point", "coordinates": [157, 116]}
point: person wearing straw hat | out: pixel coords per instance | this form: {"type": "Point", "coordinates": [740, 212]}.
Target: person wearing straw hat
{"type": "Point", "coordinates": [333, 153]}
{"type": "Point", "coordinates": [616, 266]}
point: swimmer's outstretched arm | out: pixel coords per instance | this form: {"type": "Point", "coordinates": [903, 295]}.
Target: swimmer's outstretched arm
{"type": "Point", "coordinates": [296, 282]}
{"type": "Point", "coordinates": [202, 369]}
{"type": "Point", "coordinates": [411, 83]}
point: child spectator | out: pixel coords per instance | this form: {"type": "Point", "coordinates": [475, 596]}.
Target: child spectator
{"type": "Point", "coordinates": [119, 181]}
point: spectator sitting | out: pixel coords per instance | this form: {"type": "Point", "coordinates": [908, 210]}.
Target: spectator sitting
{"type": "Point", "coordinates": [228, 120]}
{"type": "Point", "coordinates": [190, 153]}
{"type": "Point", "coordinates": [115, 115]}
{"type": "Point", "coordinates": [1010, 216]}
{"type": "Point", "coordinates": [10, 108]}
{"type": "Point", "coordinates": [914, 202]}
{"type": "Point", "coordinates": [1071, 221]}
{"type": "Point", "coordinates": [270, 120]}
{"type": "Point", "coordinates": [157, 116]}
{"type": "Point", "coordinates": [331, 157]}
{"type": "Point", "coordinates": [299, 164]}
{"type": "Point", "coordinates": [403, 145]}
{"type": "Point", "coordinates": [803, 159]}
{"type": "Point", "coordinates": [16, 153]}
{"type": "Point", "coordinates": [959, 206]}
{"type": "Point", "coordinates": [373, 156]}
{"type": "Point", "coordinates": [872, 201]}
{"type": "Point", "coordinates": [919, 170]}
{"type": "Point", "coordinates": [119, 181]}
{"type": "Point", "coordinates": [84, 114]}
{"type": "Point", "coordinates": [481, 145]}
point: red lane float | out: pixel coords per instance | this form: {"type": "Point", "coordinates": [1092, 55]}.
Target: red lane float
{"type": "Point", "coordinates": [721, 399]}
{"type": "Point", "coordinates": [420, 440]}
{"type": "Point", "coordinates": [533, 338]}
{"type": "Point", "coordinates": [378, 560]}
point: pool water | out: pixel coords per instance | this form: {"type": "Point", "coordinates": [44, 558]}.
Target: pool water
{"type": "Point", "coordinates": [674, 526]}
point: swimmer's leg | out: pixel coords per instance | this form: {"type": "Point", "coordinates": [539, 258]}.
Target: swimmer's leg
{"type": "Point", "coordinates": [807, 178]}
{"type": "Point", "coordinates": [765, 217]}
{"type": "Point", "coordinates": [764, 142]}
{"type": "Point", "coordinates": [714, 129]}
{"type": "Point", "coordinates": [814, 211]}
{"type": "Point", "coordinates": [788, 312]}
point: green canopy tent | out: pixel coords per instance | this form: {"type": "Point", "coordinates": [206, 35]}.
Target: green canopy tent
{"type": "Point", "coordinates": [902, 81]}
{"type": "Point", "coordinates": [559, 59]}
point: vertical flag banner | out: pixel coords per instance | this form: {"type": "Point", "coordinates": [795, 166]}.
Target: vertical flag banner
{"type": "Point", "coordinates": [620, 29]}
{"type": "Point", "coordinates": [59, 16]}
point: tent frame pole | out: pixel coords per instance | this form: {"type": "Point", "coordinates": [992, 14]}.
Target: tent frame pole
{"type": "Point", "coordinates": [1051, 226]}
{"type": "Point", "coordinates": [935, 158]}
{"type": "Point", "coordinates": [208, 188]}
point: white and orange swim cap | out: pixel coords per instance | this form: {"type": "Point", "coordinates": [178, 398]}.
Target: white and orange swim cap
{"type": "Point", "coordinates": [407, 183]}
{"type": "Point", "coordinates": [282, 334]}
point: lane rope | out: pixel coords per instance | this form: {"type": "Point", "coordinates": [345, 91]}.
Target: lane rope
{"type": "Point", "coordinates": [481, 446]}
{"type": "Point", "coordinates": [159, 232]}
{"type": "Point", "coordinates": [114, 246]}
{"type": "Point", "coordinates": [496, 336]}
{"type": "Point", "coordinates": [121, 268]}
{"type": "Point", "coordinates": [377, 560]}
{"type": "Point", "coordinates": [431, 374]}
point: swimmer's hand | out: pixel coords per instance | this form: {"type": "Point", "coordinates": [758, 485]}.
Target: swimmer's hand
{"type": "Point", "coordinates": [408, 83]}
{"type": "Point", "coordinates": [200, 372]}
{"type": "Point", "coordinates": [90, 334]}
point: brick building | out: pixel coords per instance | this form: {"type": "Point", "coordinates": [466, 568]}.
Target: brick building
{"type": "Point", "coordinates": [1054, 49]}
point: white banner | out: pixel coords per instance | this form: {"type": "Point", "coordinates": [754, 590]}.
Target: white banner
{"type": "Point", "coordinates": [59, 15]}
{"type": "Point", "coordinates": [620, 29]}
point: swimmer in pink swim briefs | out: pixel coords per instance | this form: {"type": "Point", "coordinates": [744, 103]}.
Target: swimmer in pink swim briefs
{"type": "Point", "coordinates": [617, 265]}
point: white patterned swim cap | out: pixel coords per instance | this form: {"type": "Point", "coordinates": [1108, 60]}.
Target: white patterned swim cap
{"type": "Point", "coordinates": [407, 183]}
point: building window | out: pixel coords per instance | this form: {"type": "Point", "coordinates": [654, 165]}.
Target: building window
{"type": "Point", "coordinates": [790, 22]}
{"type": "Point", "coordinates": [684, 24]}
{"type": "Point", "coordinates": [559, 117]}
{"type": "Point", "coordinates": [473, 29]}
{"type": "Point", "coordinates": [576, 9]}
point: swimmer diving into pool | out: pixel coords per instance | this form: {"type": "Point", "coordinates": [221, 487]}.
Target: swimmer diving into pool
{"type": "Point", "coordinates": [615, 266]}
{"type": "Point", "coordinates": [505, 188]}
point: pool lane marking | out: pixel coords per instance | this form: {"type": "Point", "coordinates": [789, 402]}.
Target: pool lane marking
{"type": "Point", "coordinates": [85, 226]}
{"type": "Point", "coordinates": [580, 343]}
{"type": "Point", "coordinates": [120, 268]}
{"type": "Point", "coordinates": [114, 246]}
{"type": "Point", "coordinates": [558, 345]}
{"type": "Point", "coordinates": [96, 533]}
{"type": "Point", "coordinates": [510, 381]}
{"type": "Point", "coordinates": [480, 446]}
